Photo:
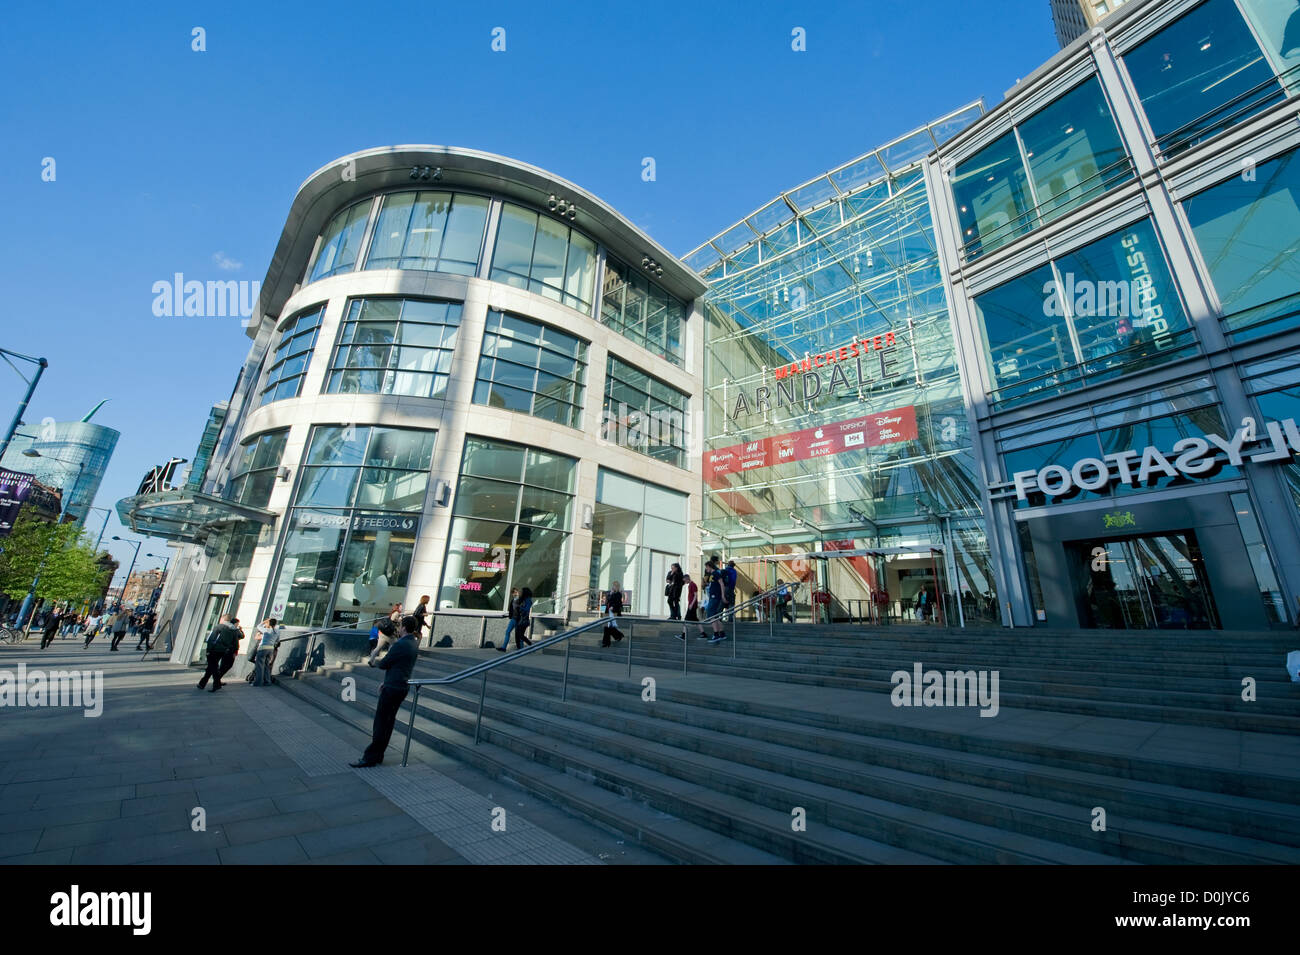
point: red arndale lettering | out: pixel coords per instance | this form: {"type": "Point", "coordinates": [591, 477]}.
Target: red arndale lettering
{"type": "Point", "coordinates": [857, 366]}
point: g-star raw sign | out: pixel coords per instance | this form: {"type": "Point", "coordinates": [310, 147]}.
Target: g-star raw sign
{"type": "Point", "coordinates": [801, 381]}
{"type": "Point", "coordinates": [1190, 457]}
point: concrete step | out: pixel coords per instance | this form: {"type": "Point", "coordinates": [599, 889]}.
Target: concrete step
{"type": "Point", "coordinates": [722, 830]}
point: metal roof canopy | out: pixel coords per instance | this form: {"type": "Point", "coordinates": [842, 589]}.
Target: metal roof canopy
{"type": "Point", "coordinates": [182, 515]}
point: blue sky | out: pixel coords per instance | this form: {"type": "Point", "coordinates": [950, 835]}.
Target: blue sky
{"type": "Point", "coordinates": [169, 160]}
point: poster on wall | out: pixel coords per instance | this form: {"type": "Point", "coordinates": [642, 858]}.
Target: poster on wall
{"type": "Point", "coordinates": [14, 488]}
{"type": "Point", "coordinates": [281, 599]}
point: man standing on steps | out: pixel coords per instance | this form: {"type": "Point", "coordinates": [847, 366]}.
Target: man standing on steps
{"type": "Point", "coordinates": [399, 661]}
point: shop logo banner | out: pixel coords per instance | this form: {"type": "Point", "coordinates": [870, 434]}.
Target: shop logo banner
{"type": "Point", "coordinates": [14, 488]}
{"type": "Point", "coordinates": [868, 431]}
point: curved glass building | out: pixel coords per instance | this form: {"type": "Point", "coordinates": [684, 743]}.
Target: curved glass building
{"type": "Point", "coordinates": [467, 376]}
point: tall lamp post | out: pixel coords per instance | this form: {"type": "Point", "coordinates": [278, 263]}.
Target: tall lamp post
{"type": "Point", "coordinates": [41, 364]}
{"type": "Point", "coordinates": [163, 581]}
{"type": "Point", "coordinates": [108, 513]}
{"type": "Point", "coordinates": [26, 607]}
{"type": "Point", "coordinates": [136, 544]}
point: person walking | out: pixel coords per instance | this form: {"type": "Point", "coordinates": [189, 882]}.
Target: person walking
{"type": "Point", "coordinates": [613, 610]}
{"type": "Point", "coordinates": [729, 579]}
{"type": "Point", "coordinates": [524, 616]}
{"type": "Point", "coordinates": [783, 602]}
{"type": "Point", "coordinates": [692, 598]}
{"type": "Point", "coordinates": [398, 662]}
{"type": "Point", "coordinates": [223, 639]}
{"type": "Point", "coordinates": [512, 621]}
{"type": "Point", "coordinates": [52, 621]}
{"type": "Point", "coordinates": [265, 641]}
{"type": "Point", "coordinates": [145, 630]}
{"type": "Point", "coordinates": [388, 635]}
{"type": "Point", "coordinates": [121, 620]}
{"type": "Point", "coordinates": [90, 628]}
{"type": "Point", "coordinates": [674, 591]}
{"type": "Point", "coordinates": [421, 613]}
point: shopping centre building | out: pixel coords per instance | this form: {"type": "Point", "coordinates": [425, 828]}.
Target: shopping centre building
{"type": "Point", "coordinates": [1039, 365]}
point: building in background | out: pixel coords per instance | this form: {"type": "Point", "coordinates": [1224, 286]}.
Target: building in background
{"type": "Point", "coordinates": [1119, 239]}
{"type": "Point", "coordinates": [1073, 18]}
{"type": "Point", "coordinates": [62, 446]}
{"type": "Point", "coordinates": [140, 588]}
{"type": "Point", "coordinates": [467, 375]}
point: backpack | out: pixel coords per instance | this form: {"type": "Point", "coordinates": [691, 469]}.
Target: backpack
{"type": "Point", "coordinates": [386, 627]}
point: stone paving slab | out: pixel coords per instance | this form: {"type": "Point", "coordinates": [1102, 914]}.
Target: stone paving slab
{"type": "Point", "coordinates": [272, 779]}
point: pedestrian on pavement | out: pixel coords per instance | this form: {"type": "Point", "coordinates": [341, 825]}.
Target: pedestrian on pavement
{"type": "Point", "coordinates": [228, 659]}
{"type": "Point", "coordinates": [713, 576]}
{"type": "Point", "coordinates": [399, 662]}
{"type": "Point", "coordinates": [729, 579]}
{"type": "Point", "coordinates": [90, 628]}
{"type": "Point", "coordinates": [223, 639]}
{"type": "Point", "coordinates": [783, 602]}
{"type": "Point", "coordinates": [52, 620]}
{"type": "Point", "coordinates": [120, 623]}
{"type": "Point", "coordinates": [676, 579]}
{"type": "Point", "coordinates": [613, 610]}
{"type": "Point", "coordinates": [388, 635]}
{"type": "Point", "coordinates": [524, 615]}
{"type": "Point", "coordinates": [512, 612]}
{"type": "Point", "coordinates": [265, 640]}
{"type": "Point", "coordinates": [421, 613]}
{"type": "Point", "coordinates": [145, 630]}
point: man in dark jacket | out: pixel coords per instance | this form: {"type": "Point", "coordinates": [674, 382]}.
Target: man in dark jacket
{"type": "Point", "coordinates": [674, 591]}
{"type": "Point", "coordinates": [223, 642]}
{"type": "Point", "coordinates": [399, 661]}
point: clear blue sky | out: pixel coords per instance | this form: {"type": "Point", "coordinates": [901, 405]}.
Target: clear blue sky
{"type": "Point", "coordinates": [167, 158]}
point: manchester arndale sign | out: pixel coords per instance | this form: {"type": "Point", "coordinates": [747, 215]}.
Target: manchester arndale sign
{"type": "Point", "coordinates": [1190, 458]}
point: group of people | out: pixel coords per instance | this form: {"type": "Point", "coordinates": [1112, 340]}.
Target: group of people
{"type": "Point", "coordinates": [385, 631]}
{"type": "Point", "coordinates": [115, 623]}
{"type": "Point", "coordinates": [223, 648]}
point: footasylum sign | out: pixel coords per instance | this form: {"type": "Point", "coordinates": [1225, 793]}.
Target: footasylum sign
{"type": "Point", "coordinates": [1192, 457]}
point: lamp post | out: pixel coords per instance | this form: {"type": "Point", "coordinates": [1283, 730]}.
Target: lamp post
{"type": "Point", "coordinates": [162, 582]}
{"type": "Point", "coordinates": [41, 364]}
{"type": "Point", "coordinates": [136, 544]}
{"type": "Point", "coordinates": [108, 512]}
{"type": "Point", "coordinates": [26, 607]}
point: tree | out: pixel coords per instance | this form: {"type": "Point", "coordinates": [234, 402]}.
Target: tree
{"type": "Point", "coordinates": [69, 568]}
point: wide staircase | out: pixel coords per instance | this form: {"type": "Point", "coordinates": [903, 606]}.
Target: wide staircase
{"type": "Point", "coordinates": [782, 744]}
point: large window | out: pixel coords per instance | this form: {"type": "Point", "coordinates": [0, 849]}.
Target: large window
{"type": "Point", "coordinates": [511, 526]}
{"type": "Point", "coordinates": [434, 231]}
{"type": "Point", "coordinates": [288, 364]}
{"type": "Point", "coordinates": [639, 531]}
{"type": "Point", "coordinates": [352, 530]}
{"type": "Point", "coordinates": [340, 242]}
{"type": "Point", "coordinates": [254, 475]}
{"type": "Point", "coordinates": [538, 253]}
{"type": "Point", "coordinates": [530, 367]}
{"type": "Point", "coordinates": [393, 346]}
{"type": "Point", "coordinates": [1074, 154]}
{"type": "Point", "coordinates": [1201, 74]}
{"type": "Point", "coordinates": [1248, 229]}
{"type": "Point", "coordinates": [644, 414]}
{"type": "Point", "coordinates": [641, 311]}
{"type": "Point", "coordinates": [1103, 310]}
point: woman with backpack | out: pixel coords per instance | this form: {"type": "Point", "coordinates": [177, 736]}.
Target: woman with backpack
{"type": "Point", "coordinates": [524, 617]}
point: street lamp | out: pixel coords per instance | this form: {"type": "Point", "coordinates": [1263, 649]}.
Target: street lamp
{"type": "Point", "coordinates": [122, 599]}
{"type": "Point", "coordinates": [41, 364]}
{"type": "Point", "coordinates": [108, 513]}
{"type": "Point", "coordinates": [163, 580]}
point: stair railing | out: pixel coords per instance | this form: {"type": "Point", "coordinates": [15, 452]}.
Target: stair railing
{"type": "Point", "coordinates": [486, 666]}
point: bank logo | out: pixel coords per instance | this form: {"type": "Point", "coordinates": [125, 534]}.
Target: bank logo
{"type": "Point", "coordinates": [854, 439]}
{"type": "Point", "coordinates": [1120, 519]}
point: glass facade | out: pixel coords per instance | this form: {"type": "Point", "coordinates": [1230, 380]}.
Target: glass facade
{"type": "Point", "coordinates": [1061, 157]}
{"type": "Point", "coordinates": [431, 231]}
{"type": "Point", "coordinates": [340, 243]}
{"type": "Point", "coordinates": [644, 414]}
{"type": "Point", "coordinates": [545, 256]}
{"type": "Point", "coordinates": [254, 474]}
{"type": "Point", "coordinates": [73, 458]}
{"type": "Point", "coordinates": [1200, 75]}
{"type": "Point", "coordinates": [352, 529]}
{"type": "Point", "coordinates": [638, 533]}
{"type": "Point", "coordinates": [1106, 309]}
{"type": "Point", "coordinates": [288, 363]}
{"type": "Point", "coordinates": [529, 367]}
{"type": "Point", "coordinates": [511, 526]}
{"type": "Point", "coordinates": [392, 346]}
{"type": "Point", "coordinates": [641, 311]}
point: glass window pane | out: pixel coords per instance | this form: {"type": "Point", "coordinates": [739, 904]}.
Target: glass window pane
{"type": "Point", "coordinates": [479, 555]}
{"type": "Point", "coordinates": [464, 234]}
{"type": "Point", "coordinates": [424, 238]}
{"type": "Point", "coordinates": [392, 490]}
{"type": "Point", "coordinates": [1025, 333]}
{"type": "Point", "coordinates": [390, 231]}
{"type": "Point", "coordinates": [327, 486]}
{"type": "Point", "coordinates": [1074, 150]}
{"type": "Point", "coordinates": [484, 498]}
{"type": "Point", "coordinates": [1196, 75]}
{"type": "Point", "coordinates": [580, 280]}
{"type": "Point", "coordinates": [492, 459]}
{"type": "Point", "coordinates": [513, 253]}
{"type": "Point", "coordinates": [548, 257]}
{"type": "Point", "coordinates": [992, 196]}
{"type": "Point", "coordinates": [554, 471]}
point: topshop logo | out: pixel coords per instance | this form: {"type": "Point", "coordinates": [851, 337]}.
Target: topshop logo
{"type": "Point", "coordinates": [1189, 458]}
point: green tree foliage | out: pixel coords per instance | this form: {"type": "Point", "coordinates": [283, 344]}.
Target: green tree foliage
{"type": "Point", "coordinates": [68, 565]}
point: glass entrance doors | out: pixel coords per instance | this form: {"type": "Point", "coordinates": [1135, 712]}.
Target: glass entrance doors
{"type": "Point", "coordinates": [1146, 583]}
{"type": "Point", "coordinates": [218, 603]}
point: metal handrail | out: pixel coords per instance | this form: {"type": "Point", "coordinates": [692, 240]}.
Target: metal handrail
{"type": "Point", "coordinates": [485, 666]}
{"type": "Point", "coordinates": [157, 636]}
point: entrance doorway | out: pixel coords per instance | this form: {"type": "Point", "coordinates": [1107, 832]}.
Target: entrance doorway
{"type": "Point", "coordinates": [1151, 582]}
{"type": "Point", "coordinates": [219, 602]}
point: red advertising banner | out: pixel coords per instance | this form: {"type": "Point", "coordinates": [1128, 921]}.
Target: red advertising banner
{"type": "Point", "coordinates": [867, 431]}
